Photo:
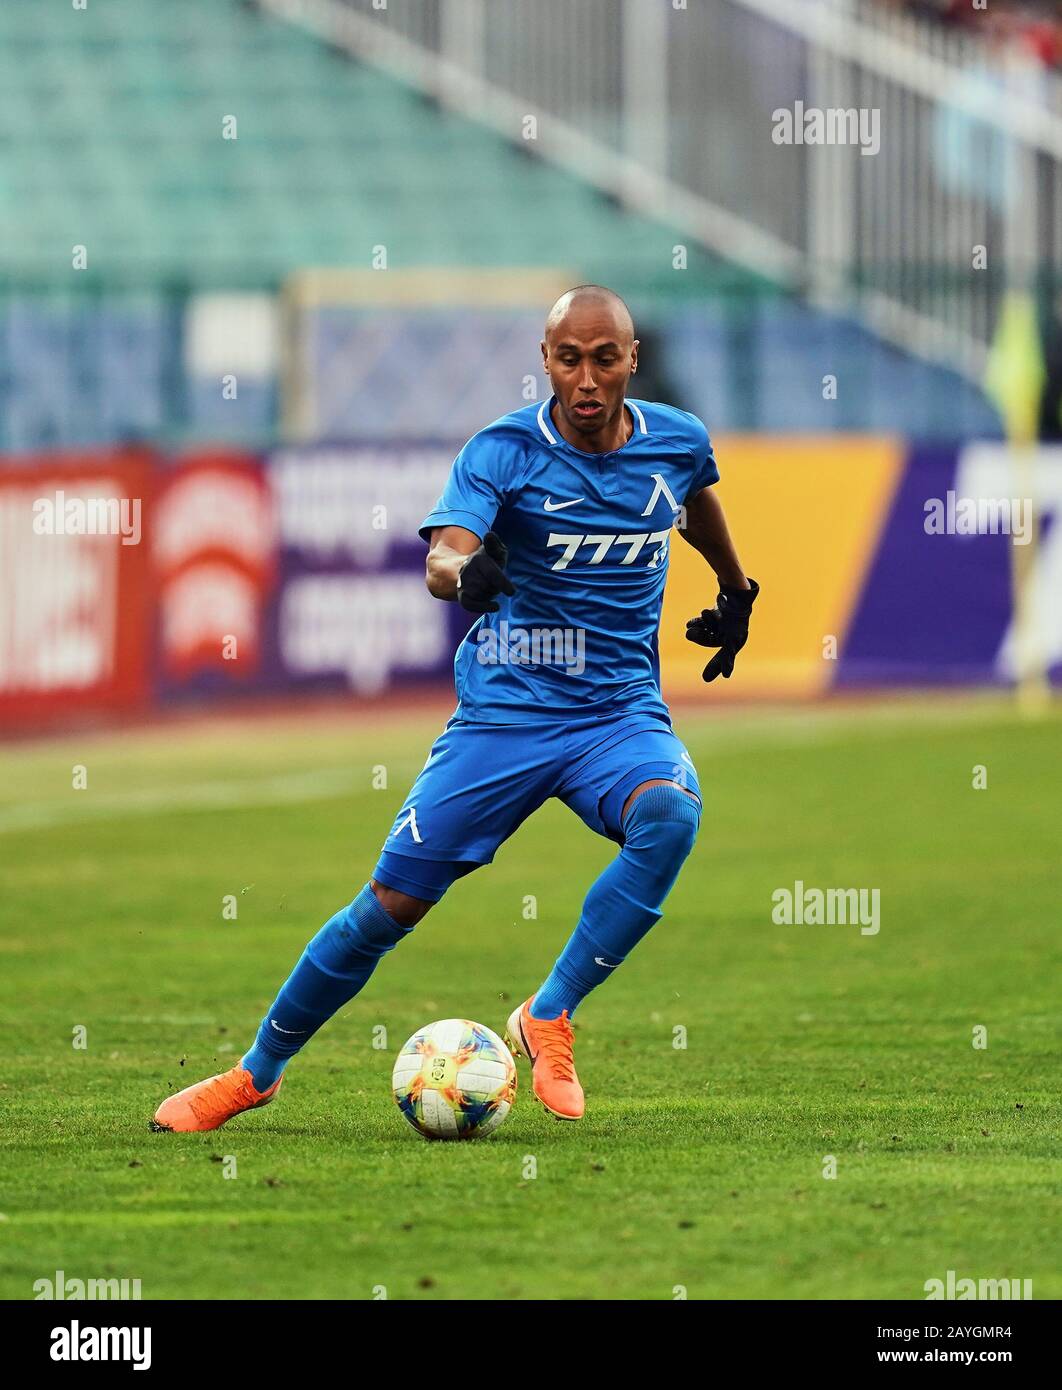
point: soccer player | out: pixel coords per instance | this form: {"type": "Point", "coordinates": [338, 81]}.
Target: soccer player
{"type": "Point", "coordinates": [554, 527]}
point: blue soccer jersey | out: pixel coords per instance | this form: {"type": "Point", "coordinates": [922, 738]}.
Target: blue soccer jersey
{"type": "Point", "coordinates": [588, 538]}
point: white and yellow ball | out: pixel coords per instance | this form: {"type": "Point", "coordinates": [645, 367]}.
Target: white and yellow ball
{"type": "Point", "coordinates": [454, 1080]}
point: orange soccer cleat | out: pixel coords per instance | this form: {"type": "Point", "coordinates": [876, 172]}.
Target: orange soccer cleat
{"type": "Point", "coordinates": [208, 1104]}
{"type": "Point", "coordinates": [547, 1045]}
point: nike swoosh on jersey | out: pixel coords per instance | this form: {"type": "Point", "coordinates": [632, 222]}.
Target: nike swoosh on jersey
{"type": "Point", "coordinates": [551, 506]}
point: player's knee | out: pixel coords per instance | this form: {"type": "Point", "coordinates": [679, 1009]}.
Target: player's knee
{"type": "Point", "coordinates": [407, 911]}
{"type": "Point", "coordinates": [664, 819]}
{"type": "Point", "coordinates": [407, 886]}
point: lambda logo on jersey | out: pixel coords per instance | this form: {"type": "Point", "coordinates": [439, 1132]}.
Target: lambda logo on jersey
{"type": "Point", "coordinates": [407, 820]}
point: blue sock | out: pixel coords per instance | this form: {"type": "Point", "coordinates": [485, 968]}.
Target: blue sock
{"type": "Point", "coordinates": [626, 900]}
{"type": "Point", "coordinates": [332, 969]}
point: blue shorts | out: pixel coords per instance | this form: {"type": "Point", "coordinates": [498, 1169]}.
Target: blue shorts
{"type": "Point", "coordinates": [481, 781]}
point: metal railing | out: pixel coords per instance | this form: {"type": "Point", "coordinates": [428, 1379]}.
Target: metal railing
{"type": "Point", "coordinates": [673, 106]}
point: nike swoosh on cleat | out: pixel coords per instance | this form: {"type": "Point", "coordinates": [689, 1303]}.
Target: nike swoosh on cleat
{"type": "Point", "coordinates": [551, 506]}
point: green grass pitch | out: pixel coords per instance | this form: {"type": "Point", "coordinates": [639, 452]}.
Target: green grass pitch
{"type": "Point", "coordinates": [697, 1168]}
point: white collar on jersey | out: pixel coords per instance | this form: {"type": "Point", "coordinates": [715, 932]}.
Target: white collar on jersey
{"type": "Point", "coordinates": [544, 419]}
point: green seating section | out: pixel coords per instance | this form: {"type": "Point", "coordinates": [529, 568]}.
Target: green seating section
{"type": "Point", "coordinates": [111, 137]}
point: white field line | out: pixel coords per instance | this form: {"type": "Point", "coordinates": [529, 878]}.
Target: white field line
{"type": "Point", "coordinates": [832, 723]}
{"type": "Point", "coordinates": [136, 1220]}
{"type": "Point", "coordinates": [196, 796]}
{"type": "Point", "coordinates": [715, 739]}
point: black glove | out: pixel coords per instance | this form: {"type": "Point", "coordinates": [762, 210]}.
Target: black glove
{"type": "Point", "coordinates": [725, 626]}
{"type": "Point", "coordinates": [483, 575]}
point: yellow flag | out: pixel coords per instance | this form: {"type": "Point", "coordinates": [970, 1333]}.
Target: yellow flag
{"type": "Point", "coordinates": [1016, 373]}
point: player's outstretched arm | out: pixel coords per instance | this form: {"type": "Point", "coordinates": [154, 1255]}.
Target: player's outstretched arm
{"type": "Point", "coordinates": [725, 626]}
{"type": "Point", "coordinates": [706, 530]}
{"type": "Point", "coordinates": [461, 568]}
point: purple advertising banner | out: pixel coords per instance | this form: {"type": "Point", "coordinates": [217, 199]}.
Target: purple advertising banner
{"type": "Point", "coordinates": [935, 605]}
{"type": "Point", "coordinates": [303, 570]}
{"type": "Point", "coordinates": [299, 570]}
{"type": "Point", "coordinates": [351, 609]}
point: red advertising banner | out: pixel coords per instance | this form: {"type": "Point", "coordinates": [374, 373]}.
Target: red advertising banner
{"type": "Point", "coordinates": [129, 580]}
{"type": "Point", "coordinates": [213, 552]}
{"type": "Point", "coordinates": [75, 606]}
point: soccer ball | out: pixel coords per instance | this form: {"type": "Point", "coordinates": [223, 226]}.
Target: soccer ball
{"type": "Point", "coordinates": [454, 1080]}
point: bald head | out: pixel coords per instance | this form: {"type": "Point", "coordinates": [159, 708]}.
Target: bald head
{"type": "Point", "coordinates": [590, 353]}
{"type": "Point", "coordinates": [599, 301]}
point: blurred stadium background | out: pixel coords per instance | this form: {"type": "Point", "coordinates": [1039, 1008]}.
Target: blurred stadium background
{"type": "Point", "coordinates": [263, 269]}
{"type": "Point", "coordinates": [266, 266]}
